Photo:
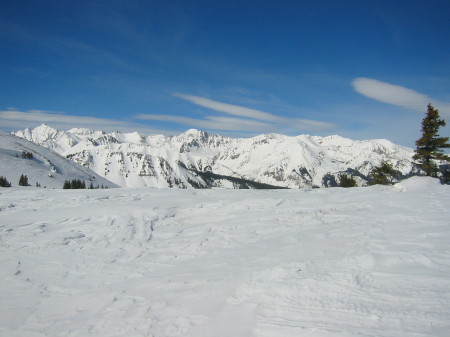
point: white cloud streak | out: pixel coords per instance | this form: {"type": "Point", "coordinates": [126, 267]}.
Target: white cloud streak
{"type": "Point", "coordinates": [212, 122]}
{"type": "Point", "coordinates": [251, 120]}
{"type": "Point", "coordinates": [42, 116]}
{"type": "Point", "coordinates": [396, 95]}
{"type": "Point", "coordinates": [16, 119]}
{"type": "Point", "coordinates": [229, 108]}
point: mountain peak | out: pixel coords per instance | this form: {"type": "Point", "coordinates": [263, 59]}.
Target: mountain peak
{"type": "Point", "coordinates": [81, 131]}
{"type": "Point", "coordinates": [44, 128]}
{"type": "Point", "coordinates": [194, 133]}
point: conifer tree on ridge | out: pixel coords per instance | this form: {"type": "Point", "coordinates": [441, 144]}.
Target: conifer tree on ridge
{"type": "Point", "coordinates": [430, 145]}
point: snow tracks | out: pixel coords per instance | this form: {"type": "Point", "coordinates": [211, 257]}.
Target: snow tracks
{"type": "Point", "coordinates": [124, 262]}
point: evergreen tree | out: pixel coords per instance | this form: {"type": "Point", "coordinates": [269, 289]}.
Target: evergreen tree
{"type": "Point", "coordinates": [347, 181]}
{"type": "Point", "coordinates": [383, 174]}
{"type": "Point", "coordinates": [66, 185]}
{"type": "Point", "coordinates": [4, 182]}
{"type": "Point", "coordinates": [74, 184]}
{"type": "Point", "coordinates": [445, 179]}
{"type": "Point", "coordinates": [430, 145]}
{"type": "Point", "coordinates": [23, 180]}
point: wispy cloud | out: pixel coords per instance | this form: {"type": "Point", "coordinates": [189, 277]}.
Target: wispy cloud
{"type": "Point", "coordinates": [13, 119]}
{"type": "Point", "coordinates": [229, 108]}
{"type": "Point", "coordinates": [248, 120]}
{"type": "Point", "coordinates": [212, 122]}
{"type": "Point", "coordinates": [396, 95]}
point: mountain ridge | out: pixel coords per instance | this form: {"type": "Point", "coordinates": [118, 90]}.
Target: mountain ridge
{"type": "Point", "coordinates": [42, 166]}
{"type": "Point", "coordinates": [303, 161]}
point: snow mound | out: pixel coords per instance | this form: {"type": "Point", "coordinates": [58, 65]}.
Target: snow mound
{"type": "Point", "coordinates": [418, 184]}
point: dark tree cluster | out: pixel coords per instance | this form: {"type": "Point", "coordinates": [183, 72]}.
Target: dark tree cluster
{"type": "Point", "coordinates": [384, 174]}
{"type": "Point", "coordinates": [27, 155]}
{"type": "Point", "coordinates": [74, 184]}
{"type": "Point", "coordinates": [23, 180]}
{"type": "Point", "coordinates": [347, 181]}
{"type": "Point", "coordinates": [4, 182]}
{"type": "Point", "coordinates": [79, 184]}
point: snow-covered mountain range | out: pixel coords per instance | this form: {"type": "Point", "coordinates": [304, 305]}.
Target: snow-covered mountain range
{"type": "Point", "coordinates": [41, 166]}
{"type": "Point", "coordinates": [199, 159]}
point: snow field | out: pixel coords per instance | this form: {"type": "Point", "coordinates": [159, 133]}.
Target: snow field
{"type": "Point", "coordinates": [369, 261]}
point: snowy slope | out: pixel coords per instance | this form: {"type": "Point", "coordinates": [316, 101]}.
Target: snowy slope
{"type": "Point", "coordinates": [368, 261]}
{"type": "Point", "coordinates": [134, 160]}
{"type": "Point", "coordinates": [43, 166]}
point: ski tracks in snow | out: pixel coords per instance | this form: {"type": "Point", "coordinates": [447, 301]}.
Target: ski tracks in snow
{"type": "Point", "coordinates": [335, 262]}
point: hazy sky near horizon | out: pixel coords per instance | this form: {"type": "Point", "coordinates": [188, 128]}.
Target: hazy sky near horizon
{"type": "Point", "coordinates": [358, 68]}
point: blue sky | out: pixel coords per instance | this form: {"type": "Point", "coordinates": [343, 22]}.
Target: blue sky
{"type": "Point", "coordinates": [361, 69]}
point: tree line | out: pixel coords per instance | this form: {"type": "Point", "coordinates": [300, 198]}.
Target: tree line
{"type": "Point", "coordinates": [68, 184]}
{"type": "Point", "coordinates": [79, 184]}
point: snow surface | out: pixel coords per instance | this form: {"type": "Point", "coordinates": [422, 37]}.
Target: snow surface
{"type": "Point", "coordinates": [371, 261]}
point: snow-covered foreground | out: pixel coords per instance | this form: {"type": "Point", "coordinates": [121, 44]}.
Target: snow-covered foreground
{"type": "Point", "coordinates": [369, 261]}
